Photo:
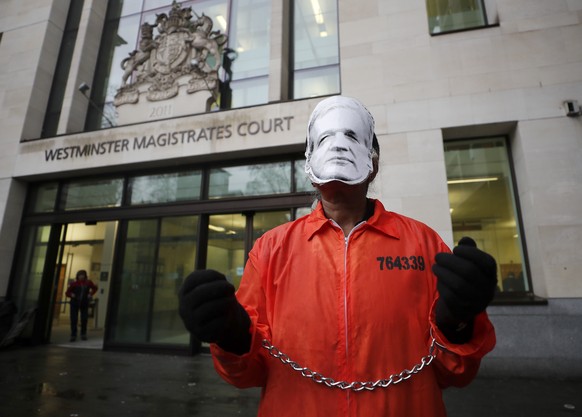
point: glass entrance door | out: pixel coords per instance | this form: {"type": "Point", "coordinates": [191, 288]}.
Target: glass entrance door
{"type": "Point", "coordinates": [90, 247]}
{"type": "Point", "coordinates": [231, 237]}
{"type": "Point", "coordinates": [156, 255]}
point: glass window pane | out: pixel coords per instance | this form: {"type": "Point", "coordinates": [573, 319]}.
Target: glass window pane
{"type": "Point", "coordinates": [30, 267]}
{"type": "Point", "coordinates": [43, 198]}
{"type": "Point", "coordinates": [316, 45]}
{"type": "Point", "coordinates": [482, 204]}
{"type": "Point", "coordinates": [93, 194]}
{"type": "Point", "coordinates": [249, 92]}
{"type": "Point", "coordinates": [122, 37]}
{"type": "Point", "coordinates": [265, 221]}
{"type": "Point", "coordinates": [137, 275]}
{"type": "Point", "coordinates": [164, 188]}
{"type": "Point", "coordinates": [316, 82]}
{"type": "Point", "coordinates": [226, 245]}
{"type": "Point", "coordinates": [176, 259]}
{"type": "Point", "coordinates": [302, 211]}
{"type": "Point", "coordinates": [249, 36]}
{"type": "Point", "coordinates": [117, 8]}
{"type": "Point", "coordinates": [446, 16]}
{"type": "Point", "coordinates": [302, 181]}
{"type": "Point", "coordinates": [124, 41]}
{"type": "Point", "coordinates": [315, 34]}
{"type": "Point", "coordinates": [154, 4]}
{"type": "Point", "coordinates": [274, 178]}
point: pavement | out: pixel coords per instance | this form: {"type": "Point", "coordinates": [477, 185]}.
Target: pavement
{"type": "Point", "coordinates": [79, 380]}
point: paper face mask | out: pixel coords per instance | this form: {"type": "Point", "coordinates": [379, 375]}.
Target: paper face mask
{"type": "Point", "coordinates": [339, 142]}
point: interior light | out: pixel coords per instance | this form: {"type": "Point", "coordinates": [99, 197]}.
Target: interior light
{"type": "Point", "coordinates": [469, 180]}
{"type": "Point", "coordinates": [216, 228]}
{"type": "Point", "coordinates": [323, 34]}
{"type": "Point", "coordinates": [230, 232]}
{"type": "Point", "coordinates": [221, 21]}
{"type": "Point", "coordinates": [317, 11]}
{"type": "Point", "coordinates": [451, 210]}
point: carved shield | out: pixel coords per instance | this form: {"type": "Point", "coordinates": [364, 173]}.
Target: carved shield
{"type": "Point", "coordinates": [171, 53]}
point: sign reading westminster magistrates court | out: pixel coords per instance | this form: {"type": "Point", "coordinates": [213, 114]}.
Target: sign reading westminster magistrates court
{"type": "Point", "coordinates": [169, 139]}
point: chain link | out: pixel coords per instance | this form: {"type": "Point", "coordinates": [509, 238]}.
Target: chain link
{"type": "Point", "coordinates": [355, 385]}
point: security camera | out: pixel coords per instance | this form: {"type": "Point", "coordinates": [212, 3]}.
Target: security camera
{"type": "Point", "coordinates": [84, 87]}
{"type": "Point", "coordinates": [572, 108]}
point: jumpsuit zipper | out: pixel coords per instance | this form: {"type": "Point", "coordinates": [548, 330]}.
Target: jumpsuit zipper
{"type": "Point", "coordinates": [346, 244]}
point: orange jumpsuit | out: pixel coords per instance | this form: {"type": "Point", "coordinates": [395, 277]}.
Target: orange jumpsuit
{"type": "Point", "coordinates": [356, 308]}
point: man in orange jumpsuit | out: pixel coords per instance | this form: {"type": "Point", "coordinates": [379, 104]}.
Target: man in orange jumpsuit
{"type": "Point", "coordinates": [351, 310]}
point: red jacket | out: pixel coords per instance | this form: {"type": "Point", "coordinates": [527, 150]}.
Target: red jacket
{"type": "Point", "coordinates": [355, 309]}
{"type": "Point", "coordinates": [81, 290]}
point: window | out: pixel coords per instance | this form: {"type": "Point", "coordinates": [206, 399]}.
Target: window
{"type": "Point", "coordinates": [60, 79]}
{"type": "Point", "coordinates": [243, 75]}
{"type": "Point", "coordinates": [449, 16]}
{"type": "Point", "coordinates": [92, 194]}
{"type": "Point", "coordinates": [273, 178]}
{"type": "Point", "coordinates": [262, 179]}
{"type": "Point", "coordinates": [164, 188]}
{"type": "Point", "coordinates": [483, 206]}
{"type": "Point", "coordinates": [43, 197]}
{"type": "Point", "coordinates": [249, 37]}
{"type": "Point", "coordinates": [316, 49]}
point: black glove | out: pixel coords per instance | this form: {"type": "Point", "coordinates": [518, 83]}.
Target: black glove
{"type": "Point", "coordinates": [467, 280]}
{"type": "Point", "coordinates": [211, 312]}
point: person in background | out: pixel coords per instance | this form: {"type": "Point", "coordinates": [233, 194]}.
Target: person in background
{"type": "Point", "coordinates": [81, 292]}
{"type": "Point", "coordinates": [352, 310]}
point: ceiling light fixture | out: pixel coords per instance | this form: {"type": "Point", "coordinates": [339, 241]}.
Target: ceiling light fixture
{"type": "Point", "coordinates": [469, 180]}
{"type": "Point", "coordinates": [317, 11]}
{"type": "Point", "coordinates": [216, 228]}
{"type": "Point", "coordinates": [221, 21]}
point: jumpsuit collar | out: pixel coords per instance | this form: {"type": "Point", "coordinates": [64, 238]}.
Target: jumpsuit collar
{"type": "Point", "coordinates": [376, 217]}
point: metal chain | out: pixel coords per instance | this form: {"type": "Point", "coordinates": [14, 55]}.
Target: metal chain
{"type": "Point", "coordinates": [355, 385]}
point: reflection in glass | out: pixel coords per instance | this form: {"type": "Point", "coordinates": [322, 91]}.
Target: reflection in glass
{"type": "Point", "coordinates": [446, 16]}
{"type": "Point", "coordinates": [121, 36]}
{"type": "Point", "coordinates": [316, 82]}
{"type": "Point", "coordinates": [226, 245]}
{"type": "Point", "coordinates": [261, 179]}
{"type": "Point", "coordinates": [92, 193]}
{"type": "Point", "coordinates": [482, 204]}
{"type": "Point", "coordinates": [249, 92]}
{"type": "Point", "coordinates": [315, 46]}
{"type": "Point", "coordinates": [265, 221]}
{"type": "Point", "coordinates": [165, 188]}
{"type": "Point", "coordinates": [302, 182]}
{"type": "Point", "coordinates": [176, 259]}
{"type": "Point", "coordinates": [30, 267]}
{"type": "Point", "coordinates": [249, 37]}
{"type": "Point", "coordinates": [137, 275]}
{"type": "Point", "coordinates": [302, 211]}
{"type": "Point", "coordinates": [44, 197]}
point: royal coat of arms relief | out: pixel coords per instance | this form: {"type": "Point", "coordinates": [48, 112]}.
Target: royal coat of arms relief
{"type": "Point", "coordinates": [184, 56]}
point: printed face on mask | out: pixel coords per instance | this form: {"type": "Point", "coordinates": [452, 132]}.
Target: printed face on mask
{"type": "Point", "coordinates": [341, 146]}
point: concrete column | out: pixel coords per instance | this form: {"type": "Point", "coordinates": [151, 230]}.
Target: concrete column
{"type": "Point", "coordinates": [31, 39]}
{"type": "Point", "coordinates": [12, 195]}
{"type": "Point", "coordinates": [83, 65]}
